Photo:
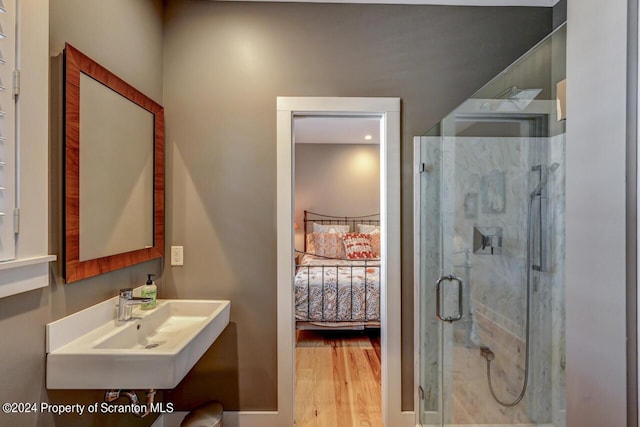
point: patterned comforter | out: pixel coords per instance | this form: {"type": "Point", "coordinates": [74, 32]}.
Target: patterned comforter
{"type": "Point", "coordinates": [330, 290]}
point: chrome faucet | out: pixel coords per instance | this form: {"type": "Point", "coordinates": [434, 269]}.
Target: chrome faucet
{"type": "Point", "coordinates": [126, 303]}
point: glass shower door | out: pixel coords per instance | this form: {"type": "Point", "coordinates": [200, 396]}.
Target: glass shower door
{"type": "Point", "coordinates": [485, 281]}
{"type": "Point", "coordinates": [477, 284]}
{"type": "Point", "coordinates": [472, 293]}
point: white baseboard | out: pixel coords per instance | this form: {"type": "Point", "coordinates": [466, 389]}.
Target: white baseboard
{"type": "Point", "coordinates": [408, 418]}
{"type": "Point", "coordinates": [250, 419]}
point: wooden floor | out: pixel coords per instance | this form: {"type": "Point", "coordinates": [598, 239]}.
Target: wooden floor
{"type": "Point", "coordinates": [338, 379]}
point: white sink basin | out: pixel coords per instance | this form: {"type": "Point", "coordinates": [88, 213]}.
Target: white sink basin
{"type": "Point", "coordinates": [91, 350]}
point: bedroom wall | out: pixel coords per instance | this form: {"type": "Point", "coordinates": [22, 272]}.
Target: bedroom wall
{"type": "Point", "coordinates": [125, 36]}
{"type": "Point", "coordinates": [335, 179]}
{"type": "Point", "coordinates": [225, 64]}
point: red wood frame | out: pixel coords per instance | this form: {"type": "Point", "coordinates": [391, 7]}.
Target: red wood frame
{"type": "Point", "coordinates": [75, 63]}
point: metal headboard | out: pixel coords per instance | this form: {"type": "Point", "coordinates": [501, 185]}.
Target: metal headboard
{"type": "Point", "coordinates": [311, 217]}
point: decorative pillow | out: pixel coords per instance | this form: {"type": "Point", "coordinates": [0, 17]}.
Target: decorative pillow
{"type": "Point", "coordinates": [357, 246]}
{"type": "Point", "coordinates": [368, 229]}
{"type": "Point", "coordinates": [326, 244]}
{"type": "Point", "coordinates": [330, 228]}
{"type": "Point", "coordinates": [374, 239]}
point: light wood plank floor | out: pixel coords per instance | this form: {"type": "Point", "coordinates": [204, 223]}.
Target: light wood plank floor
{"type": "Point", "coordinates": [338, 379]}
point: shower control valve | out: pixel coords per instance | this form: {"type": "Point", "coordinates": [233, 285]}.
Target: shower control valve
{"type": "Point", "coordinates": [487, 240]}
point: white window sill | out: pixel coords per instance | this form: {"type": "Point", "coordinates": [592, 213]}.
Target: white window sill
{"type": "Point", "coordinates": [24, 274]}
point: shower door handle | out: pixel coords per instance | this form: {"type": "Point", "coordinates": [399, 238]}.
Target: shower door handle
{"type": "Point", "coordinates": [449, 278]}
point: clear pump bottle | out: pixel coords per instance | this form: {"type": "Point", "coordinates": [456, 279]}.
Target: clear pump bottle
{"type": "Point", "coordinates": [149, 290]}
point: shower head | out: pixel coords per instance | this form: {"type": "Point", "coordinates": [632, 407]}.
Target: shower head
{"type": "Point", "coordinates": [514, 96]}
{"type": "Point", "coordinates": [544, 177]}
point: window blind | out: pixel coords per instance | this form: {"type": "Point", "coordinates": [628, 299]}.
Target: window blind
{"type": "Point", "coordinates": [9, 88]}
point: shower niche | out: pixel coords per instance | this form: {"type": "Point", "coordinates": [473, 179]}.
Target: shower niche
{"type": "Point", "coordinates": [490, 211]}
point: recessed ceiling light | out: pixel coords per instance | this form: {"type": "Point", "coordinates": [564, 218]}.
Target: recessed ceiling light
{"type": "Point", "coordinates": [368, 137]}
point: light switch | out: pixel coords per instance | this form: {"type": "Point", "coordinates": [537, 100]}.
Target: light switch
{"type": "Point", "coordinates": [177, 257]}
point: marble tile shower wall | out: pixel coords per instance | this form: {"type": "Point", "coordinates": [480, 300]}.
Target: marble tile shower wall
{"type": "Point", "coordinates": [497, 281]}
{"type": "Point", "coordinates": [489, 186]}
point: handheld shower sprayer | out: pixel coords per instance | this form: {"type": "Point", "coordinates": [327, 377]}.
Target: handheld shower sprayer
{"type": "Point", "coordinates": [486, 352]}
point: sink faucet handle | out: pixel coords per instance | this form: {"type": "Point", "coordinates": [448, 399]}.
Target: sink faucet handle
{"type": "Point", "coordinates": [124, 309]}
{"type": "Point", "coordinates": [125, 302]}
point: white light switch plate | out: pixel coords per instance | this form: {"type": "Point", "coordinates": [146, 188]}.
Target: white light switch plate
{"type": "Point", "coordinates": [177, 257]}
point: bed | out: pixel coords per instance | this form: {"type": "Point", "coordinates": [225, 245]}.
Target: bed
{"type": "Point", "coordinates": [337, 281]}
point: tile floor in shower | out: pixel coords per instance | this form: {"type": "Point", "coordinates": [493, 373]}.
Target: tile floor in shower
{"type": "Point", "coordinates": [470, 400]}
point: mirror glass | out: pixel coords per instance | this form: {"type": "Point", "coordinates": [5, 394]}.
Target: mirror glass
{"type": "Point", "coordinates": [114, 171]}
{"type": "Point", "coordinates": [116, 178]}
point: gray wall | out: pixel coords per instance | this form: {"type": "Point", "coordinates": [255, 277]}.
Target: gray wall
{"type": "Point", "coordinates": [559, 13]}
{"type": "Point", "coordinates": [126, 37]}
{"type": "Point", "coordinates": [595, 186]}
{"type": "Point", "coordinates": [336, 179]}
{"type": "Point", "coordinates": [225, 64]}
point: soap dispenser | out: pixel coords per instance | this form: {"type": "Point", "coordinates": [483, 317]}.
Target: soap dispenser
{"type": "Point", "coordinates": [149, 290]}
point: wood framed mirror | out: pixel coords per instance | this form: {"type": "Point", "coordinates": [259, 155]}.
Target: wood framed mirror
{"type": "Point", "coordinates": [113, 171]}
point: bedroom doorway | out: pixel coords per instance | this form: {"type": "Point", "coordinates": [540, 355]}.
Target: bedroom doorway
{"type": "Point", "coordinates": [337, 270]}
{"type": "Point", "coordinates": [387, 112]}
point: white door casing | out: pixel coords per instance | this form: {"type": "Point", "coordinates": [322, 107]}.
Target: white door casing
{"type": "Point", "coordinates": [388, 109]}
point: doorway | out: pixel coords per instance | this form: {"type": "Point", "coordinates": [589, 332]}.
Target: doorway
{"type": "Point", "coordinates": [337, 283]}
{"type": "Point", "coordinates": [388, 109]}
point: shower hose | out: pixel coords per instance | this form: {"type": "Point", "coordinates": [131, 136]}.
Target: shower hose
{"type": "Point", "coordinates": [527, 328]}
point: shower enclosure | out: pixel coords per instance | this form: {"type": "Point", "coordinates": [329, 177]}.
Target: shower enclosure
{"type": "Point", "coordinates": [489, 243]}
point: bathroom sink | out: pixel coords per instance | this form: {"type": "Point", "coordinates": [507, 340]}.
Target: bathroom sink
{"type": "Point", "coordinates": [156, 349]}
